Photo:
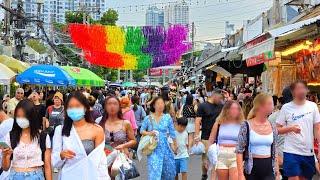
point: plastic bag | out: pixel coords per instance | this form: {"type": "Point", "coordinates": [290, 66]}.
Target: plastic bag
{"type": "Point", "coordinates": [198, 149]}
{"type": "Point", "coordinates": [146, 146]}
{"type": "Point", "coordinates": [212, 155]}
{"type": "Point", "coordinates": [121, 161]}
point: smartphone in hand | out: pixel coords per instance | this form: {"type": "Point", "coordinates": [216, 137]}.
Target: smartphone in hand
{"type": "Point", "coordinates": [4, 145]}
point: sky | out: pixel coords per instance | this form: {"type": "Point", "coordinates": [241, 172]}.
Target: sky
{"type": "Point", "coordinates": [209, 16]}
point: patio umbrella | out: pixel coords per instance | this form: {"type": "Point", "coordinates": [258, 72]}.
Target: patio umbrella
{"type": "Point", "coordinates": [129, 84]}
{"type": "Point", "coordinates": [84, 77]}
{"type": "Point", "coordinates": [14, 64]}
{"type": "Point", "coordinates": [46, 75]}
{"type": "Point", "coordinates": [6, 75]}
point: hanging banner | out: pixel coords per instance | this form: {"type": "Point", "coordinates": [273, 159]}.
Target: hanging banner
{"type": "Point", "coordinates": [259, 49]}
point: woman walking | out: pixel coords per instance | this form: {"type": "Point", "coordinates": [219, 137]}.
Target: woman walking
{"type": "Point", "coordinates": [225, 133]}
{"type": "Point", "coordinates": [161, 163]}
{"type": "Point", "coordinates": [188, 113]}
{"type": "Point", "coordinates": [25, 158]}
{"type": "Point", "coordinates": [118, 132]}
{"type": "Point", "coordinates": [257, 143]}
{"type": "Point", "coordinates": [78, 145]}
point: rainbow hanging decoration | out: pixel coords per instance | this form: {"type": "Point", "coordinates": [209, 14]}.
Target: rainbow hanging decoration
{"type": "Point", "coordinates": [132, 47]}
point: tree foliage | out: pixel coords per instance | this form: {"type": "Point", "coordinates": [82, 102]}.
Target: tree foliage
{"type": "Point", "coordinates": [37, 46]}
{"type": "Point", "coordinates": [110, 17]}
{"type": "Point", "coordinates": [76, 17]}
{"type": "Point", "coordinates": [138, 75]}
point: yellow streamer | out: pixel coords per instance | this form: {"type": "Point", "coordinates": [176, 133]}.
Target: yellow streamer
{"type": "Point", "coordinates": [116, 41]}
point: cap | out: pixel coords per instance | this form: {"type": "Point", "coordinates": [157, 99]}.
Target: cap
{"type": "Point", "coordinates": [125, 102]}
{"type": "Point", "coordinates": [59, 95]}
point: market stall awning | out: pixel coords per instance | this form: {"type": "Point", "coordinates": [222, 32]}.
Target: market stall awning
{"type": "Point", "coordinates": [292, 27]}
{"type": "Point", "coordinates": [46, 75]}
{"type": "Point", "coordinates": [220, 70]}
{"type": "Point", "coordinates": [14, 64]}
{"type": "Point", "coordinates": [129, 84]}
{"type": "Point", "coordinates": [84, 77]}
{"type": "Point", "coordinates": [6, 74]}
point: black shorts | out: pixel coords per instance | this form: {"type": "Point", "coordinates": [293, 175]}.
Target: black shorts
{"type": "Point", "coordinates": [262, 170]}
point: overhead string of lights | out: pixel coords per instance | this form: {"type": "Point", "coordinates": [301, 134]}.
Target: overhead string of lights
{"type": "Point", "coordinates": [192, 3]}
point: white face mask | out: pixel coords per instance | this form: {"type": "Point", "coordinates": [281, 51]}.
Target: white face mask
{"type": "Point", "coordinates": [23, 122]}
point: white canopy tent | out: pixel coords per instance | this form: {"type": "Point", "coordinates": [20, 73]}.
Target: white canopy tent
{"type": "Point", "coordinates": [6, 75]}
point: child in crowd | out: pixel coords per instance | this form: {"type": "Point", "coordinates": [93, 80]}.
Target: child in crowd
{"type": "Point", "coordinates": [181, 156]}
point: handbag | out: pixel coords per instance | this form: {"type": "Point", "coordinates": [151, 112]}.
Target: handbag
{"type": "Point", "coordinates": [152, 143]}
{"type": "Point", "coordinates": [129, 172]}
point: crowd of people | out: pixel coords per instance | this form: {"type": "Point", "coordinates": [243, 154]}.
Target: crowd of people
{"type": "Point", "coordinates": [76, 133]}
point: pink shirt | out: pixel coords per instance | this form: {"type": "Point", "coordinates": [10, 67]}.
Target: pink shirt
{"type": "Point", "coordinates": [129, 115]}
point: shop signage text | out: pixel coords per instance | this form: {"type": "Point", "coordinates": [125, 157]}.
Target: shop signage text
{"type": "Point", "coordinates": [261, 58]}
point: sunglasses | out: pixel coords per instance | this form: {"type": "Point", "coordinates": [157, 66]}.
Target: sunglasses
{"type": "Point", "coordinates": [112, 137]}
{"type": "Point", "coordinates": [20, 93]}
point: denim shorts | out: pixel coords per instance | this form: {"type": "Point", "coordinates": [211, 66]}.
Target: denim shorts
{"type": "Point", "coordinates": [182, 165]}
{"type": "Point", "coordinates": [33, 175]}
{"type": "Point", "coordinates": [297, 165]}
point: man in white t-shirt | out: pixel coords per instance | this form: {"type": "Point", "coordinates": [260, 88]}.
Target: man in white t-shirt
{"type": "Point", "coordinates": [298, 121]}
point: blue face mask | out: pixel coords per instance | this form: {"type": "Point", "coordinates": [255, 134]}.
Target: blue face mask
{"type": "Point", "coordinates": [76, 114]}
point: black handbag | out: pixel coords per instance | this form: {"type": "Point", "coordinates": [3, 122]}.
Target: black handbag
{"type": "Point", "coordinates": [130, 173]}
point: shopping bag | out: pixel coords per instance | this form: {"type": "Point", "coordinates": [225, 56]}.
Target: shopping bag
{"type": "Point", "coordinates": [212, 155]}
{"type": "Point", "coordinates": [129, 172]}
{"type": "Point", "coordinates": [197, 149]}
{"type": "Point", "coordinates": [120, 161]}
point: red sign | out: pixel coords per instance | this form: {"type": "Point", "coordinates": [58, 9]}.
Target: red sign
{"type": "Point", "coordinates": [261, 58]}
{"type": "Point", "coordinates": [256, 41]}
{"type": "Point", "coordinates": [158, 72]}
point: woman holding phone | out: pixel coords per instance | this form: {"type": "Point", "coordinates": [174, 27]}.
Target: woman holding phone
{"type": "Point", "coordinates": [25, 156]}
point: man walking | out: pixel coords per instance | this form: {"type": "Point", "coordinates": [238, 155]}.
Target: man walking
{"type": "Point", "coordinates": [299, 121]}
{"type": "Point", "coordinates": [206, 117]}
{"type": "Point", "coordinates": [12, 103]}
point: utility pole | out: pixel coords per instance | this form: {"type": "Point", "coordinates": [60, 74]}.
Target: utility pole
{"type": "Point", "coordinates": [7, 23]}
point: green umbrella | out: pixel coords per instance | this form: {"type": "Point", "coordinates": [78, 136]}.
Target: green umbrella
{"type": "Point", "coordinates": [129, 84]}
{"type": "Point", "coordinates": [84, 77]}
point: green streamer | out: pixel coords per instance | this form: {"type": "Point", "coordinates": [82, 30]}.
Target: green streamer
{"type": "Point", "coordinates": [135, 41]}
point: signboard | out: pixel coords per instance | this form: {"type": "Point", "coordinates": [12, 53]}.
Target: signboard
{"type": "Point", "coordinates": [259, 48]}
{"type": "Point", "coordinates": [158, 72]}
{"type": "Point", "coordinates": [261, 58]}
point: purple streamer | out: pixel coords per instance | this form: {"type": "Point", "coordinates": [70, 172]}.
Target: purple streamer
{"type": "Point", "coordinates": [165, 47]}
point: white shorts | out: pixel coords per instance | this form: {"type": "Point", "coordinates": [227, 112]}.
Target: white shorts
{"type": "Point", "coordinates": [191, 125]}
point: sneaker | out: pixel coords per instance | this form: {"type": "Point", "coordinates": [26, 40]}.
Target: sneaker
{"type": "Point", "coordinates": [204, 177]}
{"type": "Point", "coordinates": [55, 170]}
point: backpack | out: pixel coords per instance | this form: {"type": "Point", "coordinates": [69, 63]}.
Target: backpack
{"type": "Point", "coordinates": [41, 140]}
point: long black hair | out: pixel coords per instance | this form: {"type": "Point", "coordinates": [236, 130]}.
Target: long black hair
{"type": "Point", "coordinates": [189, 100]}
{"type": "Point", "coordinates": [135, 101]}
{"type": "Point", "coordinates": [28, 108]}
{"type": "Point", "coordinates": [105, 116]}
{"type": "Point", "coordinates": [165, 95]}
{"type": "Point", "coordinates": [67, 120]}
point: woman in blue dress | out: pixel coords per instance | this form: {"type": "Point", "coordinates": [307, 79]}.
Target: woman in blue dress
{"type": "Point", "coordinates": [161, 164]}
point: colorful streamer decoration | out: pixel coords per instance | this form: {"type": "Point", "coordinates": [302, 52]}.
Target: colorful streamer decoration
{"type": "Point", "coordinates": [132, 47]}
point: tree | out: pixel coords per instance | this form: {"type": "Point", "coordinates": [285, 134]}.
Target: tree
{"type": "Point", "coordinates": [37, 46]}
{"type": "Point", "coordinates": [110, 17]}
{"type": "Point", "coordinates": [76, 17]}
{"type": "Point", "coordinates": [138, 75]}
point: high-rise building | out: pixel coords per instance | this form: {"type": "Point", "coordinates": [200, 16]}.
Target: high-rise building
{"type": "Point", "coordinates": [54, 10]}
{"type": "Point", "coordinates": [176, 14]}
{"type": "Point", "coordinates": [154, 16]}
